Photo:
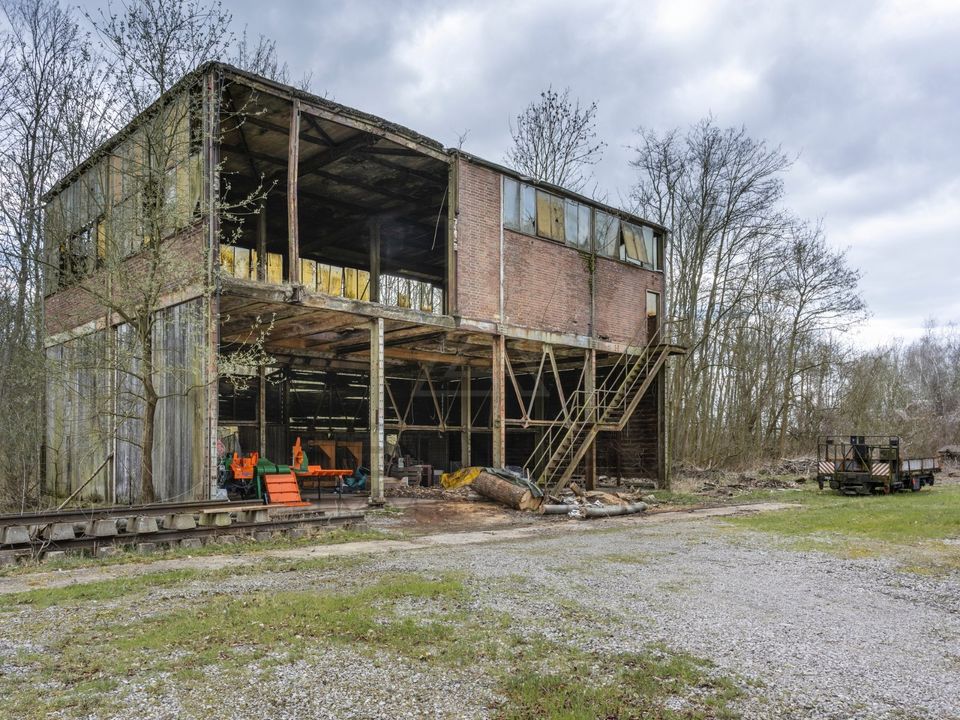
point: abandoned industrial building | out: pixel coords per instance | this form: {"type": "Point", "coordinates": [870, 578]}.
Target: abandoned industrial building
{"type": "Point", "coordinates": [332, 282]}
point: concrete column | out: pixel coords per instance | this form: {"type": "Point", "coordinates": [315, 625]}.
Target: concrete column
{"type": "Point", "coordinates": [590, 385]}
{"type": "Point", "coordinates": [466, 415]}
{"type": "Point", "coordinates": [498, 402]}
{"type": "Point", "coordinates": [376, 411]}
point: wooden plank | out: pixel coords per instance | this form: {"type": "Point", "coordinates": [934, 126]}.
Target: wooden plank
{"type": "Point", "coordinates": [293, 166]}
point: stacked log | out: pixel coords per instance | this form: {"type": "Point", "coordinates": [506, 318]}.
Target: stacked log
{"type": "Point", "coordinates": [505, 492]}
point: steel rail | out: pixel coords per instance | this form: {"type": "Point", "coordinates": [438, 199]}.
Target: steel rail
{"type": "Point", "coordinates": [286, 522]}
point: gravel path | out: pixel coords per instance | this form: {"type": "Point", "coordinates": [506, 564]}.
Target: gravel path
{"type": "Point", "coordinates": [808, 635]}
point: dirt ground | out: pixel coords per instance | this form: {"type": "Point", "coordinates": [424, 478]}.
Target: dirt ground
{"type": "Point", "coordinates": [786, 632]}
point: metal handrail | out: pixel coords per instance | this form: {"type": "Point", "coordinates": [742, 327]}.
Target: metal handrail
{"type": "Point", "coordinates": [571, 426]}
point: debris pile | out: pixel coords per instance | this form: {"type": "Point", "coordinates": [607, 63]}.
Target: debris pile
{"type": "Point", "coordinates": [504, 486]}
{"type": "Point", "coordinates": [584, 504]}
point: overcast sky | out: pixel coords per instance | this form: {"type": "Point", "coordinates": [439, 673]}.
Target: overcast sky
{"type": "Point", "coordinates": [865, 94]}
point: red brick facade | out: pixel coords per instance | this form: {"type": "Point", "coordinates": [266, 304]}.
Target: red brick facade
{"type": "Point", "coordinates": [546, 285]}
{"type": "Point", "coordinates": [72, 306]}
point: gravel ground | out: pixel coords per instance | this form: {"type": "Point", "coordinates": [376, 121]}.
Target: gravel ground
{"type": "Point", "coordinates": [807, 635]}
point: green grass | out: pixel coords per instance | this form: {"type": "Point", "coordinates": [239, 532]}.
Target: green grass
{"type": "Point", "coordinates": [243, 546]}
{"type": "Point", "coordinates": [908, 526]}
{"type": "Point", "coordinates": [81, 671]}
{"type": "Point", "coordinates": [96, 591]}
{"type": "Point", "coordinates": [581, 685]}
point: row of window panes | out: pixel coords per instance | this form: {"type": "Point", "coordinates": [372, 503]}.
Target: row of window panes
{"type": "Point", "coordinates": [407, 293]}
{"type": "Point", "coordinates": [347, 282]}
{"type": "Point", "coordinates": [535, 212]}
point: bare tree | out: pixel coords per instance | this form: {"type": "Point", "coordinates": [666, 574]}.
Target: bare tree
{"type": "Point", "coordinates": [47, 80]}
{"type": "Point", "coordinates": [125, 232]}
{"type": "Point", "coordinates": [555, 140]}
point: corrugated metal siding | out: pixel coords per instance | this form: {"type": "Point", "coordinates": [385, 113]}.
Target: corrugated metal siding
{"type": "Point", "coordinates": [78, 419]}
{"type": "Point", "coordinates": [94, 396]}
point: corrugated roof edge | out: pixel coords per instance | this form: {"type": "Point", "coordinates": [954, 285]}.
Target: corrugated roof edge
{"type": "Point", "coordinates": [558, 190]}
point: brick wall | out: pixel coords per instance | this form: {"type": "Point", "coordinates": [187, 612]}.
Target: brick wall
{"type": "Point", "coordinates": [478, 242]}
{"type": "Point", "coordinates": [184, 265]}
{"type": "Point", "coordinates": [621, 297]}
{"type": "Point", "coordinates": [546, 285]}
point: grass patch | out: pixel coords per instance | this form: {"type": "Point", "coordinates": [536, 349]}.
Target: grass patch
{"type": "Point", "coordinates": [659, 685]}
{"type": "Point", "coordinates": [96, 591]}
{"type": "Point", "coordinates": [81, 672]}
{"type": "Point", "coordinates": [910, 527]}
{"type": "Point", "coordinates": [640, 558]}
{"type": "Point", "coordinates": [244, 546]}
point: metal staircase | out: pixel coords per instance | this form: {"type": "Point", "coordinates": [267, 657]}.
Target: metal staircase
{"type": "Point", "coordinates": [609, 407]}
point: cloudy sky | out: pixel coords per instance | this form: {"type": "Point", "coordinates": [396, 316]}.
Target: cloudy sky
{"type": "Point", "coordinates": [865, 94]}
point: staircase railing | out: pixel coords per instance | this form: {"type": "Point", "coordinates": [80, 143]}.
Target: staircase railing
{"type": "Point", "coordinates": [609, 406]}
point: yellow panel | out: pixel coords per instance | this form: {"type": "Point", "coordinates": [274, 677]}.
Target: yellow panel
{"type": "Point", "coordinates": [226, 260]}
{"type": "Point", "coordinates": [101, 240]}
{"type": "Point", "coordinates": [556, 219]}
{"type": "Point", "coordinates": [336, 281]}
{"type": "Point", "coordinates": [363, 285]}
{"type": "Point", "coordinates": [350, 288]}
{"type": "Point", "coordinates": [274, 268]}
{"type": "Point", "coordinates": [308, 274]}
{"type": "Point", "coordinates": [253, 265]}
{"type": "Point", "coordinates": [544, 225]}
{"type": "Point", "coordinates": [323, 278]}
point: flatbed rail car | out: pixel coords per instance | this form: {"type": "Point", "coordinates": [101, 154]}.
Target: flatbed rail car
{"type": "Point", "coordinates": [867, 464]}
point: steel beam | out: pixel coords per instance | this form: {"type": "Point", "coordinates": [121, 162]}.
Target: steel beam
{"type": "Point", "coordinates": [590, 386]}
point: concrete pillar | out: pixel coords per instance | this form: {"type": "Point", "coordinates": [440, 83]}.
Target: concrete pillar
{"type": "Point", "coordinates": [590, 385]}
{"type": "Point", "coordinates": [466, 415]}
{"type": "Point", "coordinates": [376, 411]}
{"type": "Point", "coordinates": [498, 402]}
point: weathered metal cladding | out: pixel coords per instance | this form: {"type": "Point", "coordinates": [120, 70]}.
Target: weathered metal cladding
{"type": "Point", "coordinates": [97, 410]}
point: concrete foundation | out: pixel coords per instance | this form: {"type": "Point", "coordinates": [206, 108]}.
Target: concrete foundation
{"type": "Point", "coordinates": [105, 551]}
{"type": "Point", "coordinates": [220, 519]}
{"type": "Point", "coordinates": [262, 536]}
{"type": "Point", "coordinates": [14, 535]}
{"type": "Point", "coordinates": [142, 524]}
{"type": "Point", "coordinates": [146, 548]}
{"type": "Point", "coordinates": [182, 521]}
{"type": "Point", "coordinates": [56, 532]}
{"type": "Point", "coordinates": [251, 516]}
{"type": "Point", "coordinates": [191, 543]}
{"type": "Point", "coordinates": [101, 528]}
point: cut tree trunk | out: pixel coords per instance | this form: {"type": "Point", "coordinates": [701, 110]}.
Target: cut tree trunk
{"type": "Point", "coordinates": [505, 492]}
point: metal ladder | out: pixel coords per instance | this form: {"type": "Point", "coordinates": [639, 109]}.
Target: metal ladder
{"type": "Point", "coordinates": [608, 407]}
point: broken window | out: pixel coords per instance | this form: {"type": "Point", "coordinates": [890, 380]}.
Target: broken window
{"type": "Point", "coordinates": [607, 233]}
{"type": "Point", "coordinates": [577, 224]}
{"type": "Point", "coordinates": [528, 209]}
{"type": "Point", "coordinates": [550, 222]}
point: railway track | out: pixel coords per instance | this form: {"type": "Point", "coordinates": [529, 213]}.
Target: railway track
{"type": "Point", "coordinates": [37, 534]}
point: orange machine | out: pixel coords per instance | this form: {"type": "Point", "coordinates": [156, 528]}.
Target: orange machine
{"type": "Point", "coordinates": [317, 476]}
{"type": "Point", "coordinates": [244, 468]}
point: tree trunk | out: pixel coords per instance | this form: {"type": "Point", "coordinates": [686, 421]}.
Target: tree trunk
{"type": "Point", "coordinates": [147, 492]}
{"type": "Point", "coordinates": [505, 492]}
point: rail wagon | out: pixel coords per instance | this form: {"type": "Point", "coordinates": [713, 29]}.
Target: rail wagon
{"type": "Point", "coordinates": [867, 464]}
